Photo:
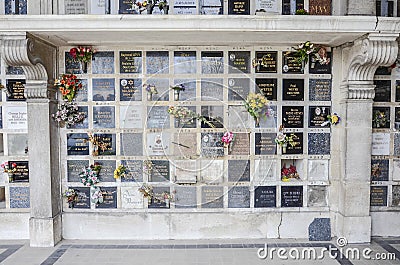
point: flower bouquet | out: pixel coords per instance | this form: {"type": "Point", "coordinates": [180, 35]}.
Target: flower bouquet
{"type": "Point", "coordinates": [90, 176]}
{"type": "Point", "coordinates": [68, 114]}
{"type": "Point", "coordinates": [68, 85]}
{"type": "Point", "coordinates": [333, 119]}
{"type": "Point", "coordinates": [72, 197]}
{"type": "Point", "coordinates": [379, 119]}
{"type": "Point", "coordinates": [119, 172]}
{"type": "Point", "coordinates": [254, 105]}
{"type": "Point", "coordinates": [151, 90]}
{"type": "Point", "coordinates": [303, 50]}
{"type": "Point", "coordinates": [185, 115]}
{"type": "Point", "coordinates": [177, 89]}
{"type": "Point", "coordinates": [227, 140]}
{"type": "Point", "coordinates": [283, 140]}
{"type": "Point", "coordinates": [289, 173]}
{"type": "Point", "coordinates": [148, 167]}
{"type": "Point", "coordinates": [147, 191]}
{"type": "Point", "coordinates": [98, 144]}
{"type": "Point", "coordinates": [82, 55]}
{"type": "Point", "coordinates": [97, 196]}
{"type": "Point", "coordinates": [10, 169]}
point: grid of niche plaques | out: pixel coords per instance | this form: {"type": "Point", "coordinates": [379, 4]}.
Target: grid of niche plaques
{"type": "Point", "coordinates": [385, 160]}
{"type": "Point", "coordinates": [188, 158]}
{"type": "Point", "coordinates": [14, 192]}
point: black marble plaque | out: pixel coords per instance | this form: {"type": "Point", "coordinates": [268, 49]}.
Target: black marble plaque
{"type": "Point", "coordinates": [265, 144]}
{"type": "Point", "coordinates": [290, 63]}
{"type": "Point", "coordinates": [125, 7]}
{"type": "Point", "coordinates": [18, 7]}
{"type": "Point", "coordinates": [238, 170]}
{"type": "Point", "coordinates": [317, 115]}
{"type": "Point", "coordinates": [382, 90]}
{"type": "Point", "coordinates": [379, 170]}
{"type": "Point", "coordinates": [213, 114]}
{"type": "Point", "coordinates": [103, 63]}
{"type": "Point", "coordinates": [239, 197]}
{"type": "Point", "coordinates": [158, 117]}
{"type": "Point", "coordinates": [103, 117]}
{"type": "Point", "coordinates": [157, 62]}
{"type": "Point", "coordinates": [83, 197]}
{"type": "Point", "coordinates": [239, 62]}
{"type": "Point", "coordinates": [397, 90]}
{"type": "Point", "coordinates": [316, 68]}
{"type": "Point", "coordinates": [293, 89]}
{"type": "Point", "coordinates": [375, 112]}
{"type": "Point", "coordinates": [267, 62]}
{"type": "Point", "coordinates": [130, 89]}
{"type": "Point", "coordinates": [292, 196]}
{"type": "Point", "coordinates": [16, 89]}
{"type": "Point", "coordinates": [239, 88]}
{"type": "Point", "coordinates": [211, 145]}
{"type": "Point", "coordinates": [240, 145]}
{"type": "Point", "coordinates": [107, 170]}
{"type": "Point", "coordinates": [22, 171]}
{"type": "Point", "coordinates": [130, 62]}
{"type": "Point", "coordinates": [185, 62]}
{"type": "Point", "coordinates": [268, 87]}
{"type": "Point", "coordinates": [72, 66]}
{"type": "Point", "coordinates": [320, 89]}
{"type": "Point", "coordinates": [131, 144]}
{"type": "Point", "coordinates": [109, 141]}
{"type": "Point", "coordinates": [293, 116]}
{"type": "Point", "coordinates": [109, 198]}
{"type": "Point", "coordinates": [265, 196]}
{"type": "Point", "coordinates": [212, 197]}
{"type": "Point", "coordinates": [134, 170]}
{"type": "Point", "coordinates": [319, 143]}
{"type": "Point", "coordinates": [239, 7]}
{"type": "Point", "coordinates": [85, 123]}
{"type": "Point", "coordinates": [156, 201]}
{"type": "Point", "coordinates": [186, 197]}
{"type": "Point", "coordinates": [74, 168]}
{"type": "Point", "coordinates": [103, 89]}
{"type": "Point", "coordinates": [77, 144]}
{"type": "Point", "coordinates": [297, 148]}
{"type": "Point", "coordinates": [212, 62]}
{"type": "Point", "coordinates": [379, 195]}
{"type": "Point", "coordinates": [160, 171]}
{"type": "Point", "coordinates": [383, 70]}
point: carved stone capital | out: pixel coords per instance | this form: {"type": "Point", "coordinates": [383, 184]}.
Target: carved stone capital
{"type": "Point", "coordinates": [20, 52]}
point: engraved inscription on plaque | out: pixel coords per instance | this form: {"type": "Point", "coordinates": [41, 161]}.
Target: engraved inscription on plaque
{"type": "Point", "coordinates": [16, 117]}
{"type": "Point", "coordinates": [75, 7]}
{"type": "Point", "coordinates": [238, 170]}
{"type": "Point", "coordinates": [212, 62]}
{"type": "Point", "coordinates": [379, 195]}
{"type": "Point", "coordinates": [239, 88]}
{"type": "Point", "coordinates": [379, 170]}
{"type": "Point", "coordinates": [292, 196]}
{"type": "Point", "coordinates": [103, 89]}
{"type": "Point", "coordinates": [160, 171]}
{"type": "Point", "coordinates": [293, 89]}
{"type": "Point", "coordinates": [83, 197]}
{"type": "Point", "coordinates": [212, 197]}
{"type": "Point", "coordinates": [382, 90]}
{"type": "Point", "coordinates": [134, 170]}
{"type": "Point", "coordinates": [16, 89]}
{"type": "Point", "coordinates": [291, 64]}
{"type": "Point", "coordinates": [317, 115]}
{"type": "Point", "coordinates": [239, 7]}
{"type": "Point", "coordinates": [320, 7]}
{"type": "Point", "coordinates": [22, 171]}
{"type": "Point", "coordinates": [157, 62]}
{"type": "Point", "coordinates": [265, 196]}
{"type": "Point", "coordinates": [158, 117]}
{"type": "Point", "coordinates": [185, 197]}
{"type": "Point", "coordinates": [265, 144]}
{"type": "Point", "coordinates": [77, 144]}
{"type": "Point", "coordinates": [320, 89]}
{"type": "Point", "coordinates": [19, 197]}
{"type": "Point", "coordinates": [107, 170]}
{"type": "Point", "coordinates": [185, 62]}
{"type": "Point", "coordinates": [211, 145]}
{"type": "Point", "coordinates": [212, 89]}
{"type": "Point", "coordinates": [239, 197]}
{"type": "Point", "coordinates": [293, 116]}
{"type": "Point", "coordinates": [109, 198]}
{"type": "Point", "coordinates": [103, 63]}
{"type": "Point", "coordinates": [74, 168]}
{"type": "Point", "coordinates": [239, 62]}
{"type": "Point", "coordinates": [103, 117]}
{"type": "Point", "coordinates": [297, 147]}
{"type": "Point", "coordinates": [268, 87]}
{"type": "Point", "coordinates": [130, 89]}
{"type": "Point", "coordinates": [241, 144]}
{"type": "Point", "coordinates": [266, 62]}
{"type": "Point", "coordinates": [130, 62]}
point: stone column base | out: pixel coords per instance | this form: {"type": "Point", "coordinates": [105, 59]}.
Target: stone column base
{"type": "Point", "coordinates": [45, 232]}
{"type": "Point", "coordinates": [356, 229]}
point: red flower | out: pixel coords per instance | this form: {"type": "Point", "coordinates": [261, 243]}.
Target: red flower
{"type": "Point", "coordinates": [72, 52]}
{"type": "Point", "coordinates": [14, 165]}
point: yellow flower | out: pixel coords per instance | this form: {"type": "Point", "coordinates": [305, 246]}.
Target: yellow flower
{"type": "Point", "coordinates": [334, 118]}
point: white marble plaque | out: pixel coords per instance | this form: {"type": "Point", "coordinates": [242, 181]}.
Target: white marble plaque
{"type": "Point", "coordinates": [238, 117]}
{"type": "Point", "coordinates": [265, 171]}
{"type": "Point", "coordinates": [74, 7]}
{"type": "Point", "coordinates": [270, 6]}
{"type": "Point", "coordinates": [318, 170]}
{"type": "Point", "coordinates": [212, 171]}
{"type": "Point", "coordinates": [131, 117]}
{"type": "Point", "coordinates": [211, 10]}
{"type": "Point", "coordinates": [185, 3]}
{"type": "Point", "coordinates": [211, 2]}
{"type": "Point", "coordinates": [16, 117]}
{"type": "Point", "coordinates": [380, 144]}
{"type": "Point", "coordinates": [98, 7]}
{"type": "Point", "coordinates": [158, 144]}
{"type": "Point", "coordinates": [185, 10]}
{"type": "Point", "coordinates": [185, 171]}
{"type": "Point", "coordinates": [396, 170]}
{"type": "Point", "coordinates": [131, 198]}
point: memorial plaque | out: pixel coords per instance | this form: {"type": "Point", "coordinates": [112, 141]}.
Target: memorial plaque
{"type": "Point", "coordinates": [16, 117]}
{"type": "Point", "coordinates": [109, 198]}
{"type": "Point", "coordinates": [396, 150]}
{"type": "Point", "coordinates": [379, 170]}
{"type": "Point", "coordinates": [239, 61]}
{"type": "Point", "coordinates": [131, 117]}
{"type": "Point", "coordinates": [131, 144]}
{"type": "Point", "coordinates": [265, 196]}
{"type": "Point", "coordinates": [318, 170]}
{"type": "Point", "coordinates": [212, 89]}
{"type": "Point", "coordinates": [395, 195]}
{"type": "Point", "coordinates": [269, 6]}
{"type": "Point", "coordinates": [383, 70]}
{"type": "Point", "coordinates": [239, 197]}
{"type": "Point", "coordinates": [158, 117]}
{"type": "Point", "coordinates": [130, 89]}
{"type": "Point", "coordinates": [293, 89]}
{"type": "Point", "coordinates": [103, 89]}
{"type": "Point", "coordinates": [156, 201]}
{"type": "Point", "coordinates": [126, 7]}
{"type": "Point", "coordinates": [160, 171]}
{"type": "Point", "coordinates": [212, 7]}
{"type": "Point", "coordinates": [268, 87]}
{"type": "Point", "coordinates": [72, 66]}
{"type": "Point", "coordinates": [212, 197]}
{"type": "Point", "coordinates": [291, 64]}
{"type": "Point", "coordinates": [134, 170]}
{"type": "Point", "coordinates": [270, 119]}
{"type": "Point", "coordinates": [162, 86]}
{"type": "Point", "coordinates": [190, 89]}
{"type": "Point", "coordinates": [239, 7]}
{"type": "Point", "coordinates": [293, 116]}
{"type": "Point", "coordinates": [320, 7]}
{"type": "Point", "coordinates": [185, 197]}
{"type": "Point", "coordinates": [103, 117]}
{"type": "Point", "coordinates": [157, 62]}
{"type": "Point", "coordinates": [397, 119]}
{"type": "Point", "coordinates": [238, 117]}
{"type": "Point", "coordinates": [213, 114]}
{"type": "Point", "coordinates": [238, 170]}
{"type": "Point", "coordinates": [109, 142]}
{"type": "Point", "coordinates": [319, 143]}
{"type": "Point", "coordinates": [130, 62]}
{"type": "Point", "coordinates": [158, 144]}
{"type": "Point", "coordinates": [239, 88]}
{"type": "Point", "coordinates": [297, 147]}
{"type": "Point", "coordinates": [1, 116]}
{"type": "Point", "coordinates": [100, 7]}
{"type": "Point", "coordinates": [212, 62]}
{"type": "Point", "coordinates": [320, 89]}
{"type": "Point", "coordinates": [77, 144]}
{"type": "Point", "coordinates": [103, 63]}
{"type": "Point", "coordinates": [107, 170]}
{"type": "Point", "coordinates": [17, 144]}
{"type": "Point", "coordinates": [75, 7]}
{"type": "Point", "coordinates": [317, 196]}
{"type": "Point", "coordinates": [379, 195]}
{"type": "Point", "coordinates": [382, 90]}
{"type": "Point", "coordinates": [397, 90]}
{"type": "Point", "coordinates": [14, 70]}
{"type": "Point", "coordinates": [240, 144]}
{"type": "Point", "coordinates": [377, 120]}
{"type": "Point", "coordinates": [211, 145]}
{"type": "Point", "coordinates": [74, 168]}
{"type": "Point", "coordinates": [85, 123]}
{"type": "Point", "coordinates": [16, 88]}
{"type": "Point", "coordinates": [317, 115]}
{"type": "Point", "coordinates": [131, 198]}
{"type": "Point", "coordinates": [18, 7]}
{"type": "Point", "coordinates": [292, 196]}
{"type": "Point", "coordinates": [185, 62]}
{"type": "Point", "coordinates": [185, 144]}
{"type": "Point", "coordinates": [267, 62]}
{"type": "Point", "coordinates": [82, 94]}
{"type": "Point", "coordinates": [381, 144]}
{"type": "Point", "coordinates": [264, 171]}
{"type": "Point", "coordinates": [185, 7]}
{"type": "Point", "coordinates": [185, 171]}
{"type": "Point", "coordinates": [316, 67]}
{"type": "Point", "coordinates": [19, 197]}
{"type": "Point", "coordinates": [22, 171]}
{"type": "Point", "coordinates": [212, 171]}
{"type": "Point", "coordinates": [265, 144]}
{"type": "Point", "coordinates": [83, 197]}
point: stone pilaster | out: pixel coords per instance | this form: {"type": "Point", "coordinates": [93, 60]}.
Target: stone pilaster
{"type": "Point", "coordinates": [353, 219]}
{"type": "Point", "coordinates": [361, 7]}
{"type": "Point", "coordinates": [45, 220]}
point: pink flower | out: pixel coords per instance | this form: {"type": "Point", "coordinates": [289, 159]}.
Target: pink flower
{"type": "Point", "coordinates": [227, 138]}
